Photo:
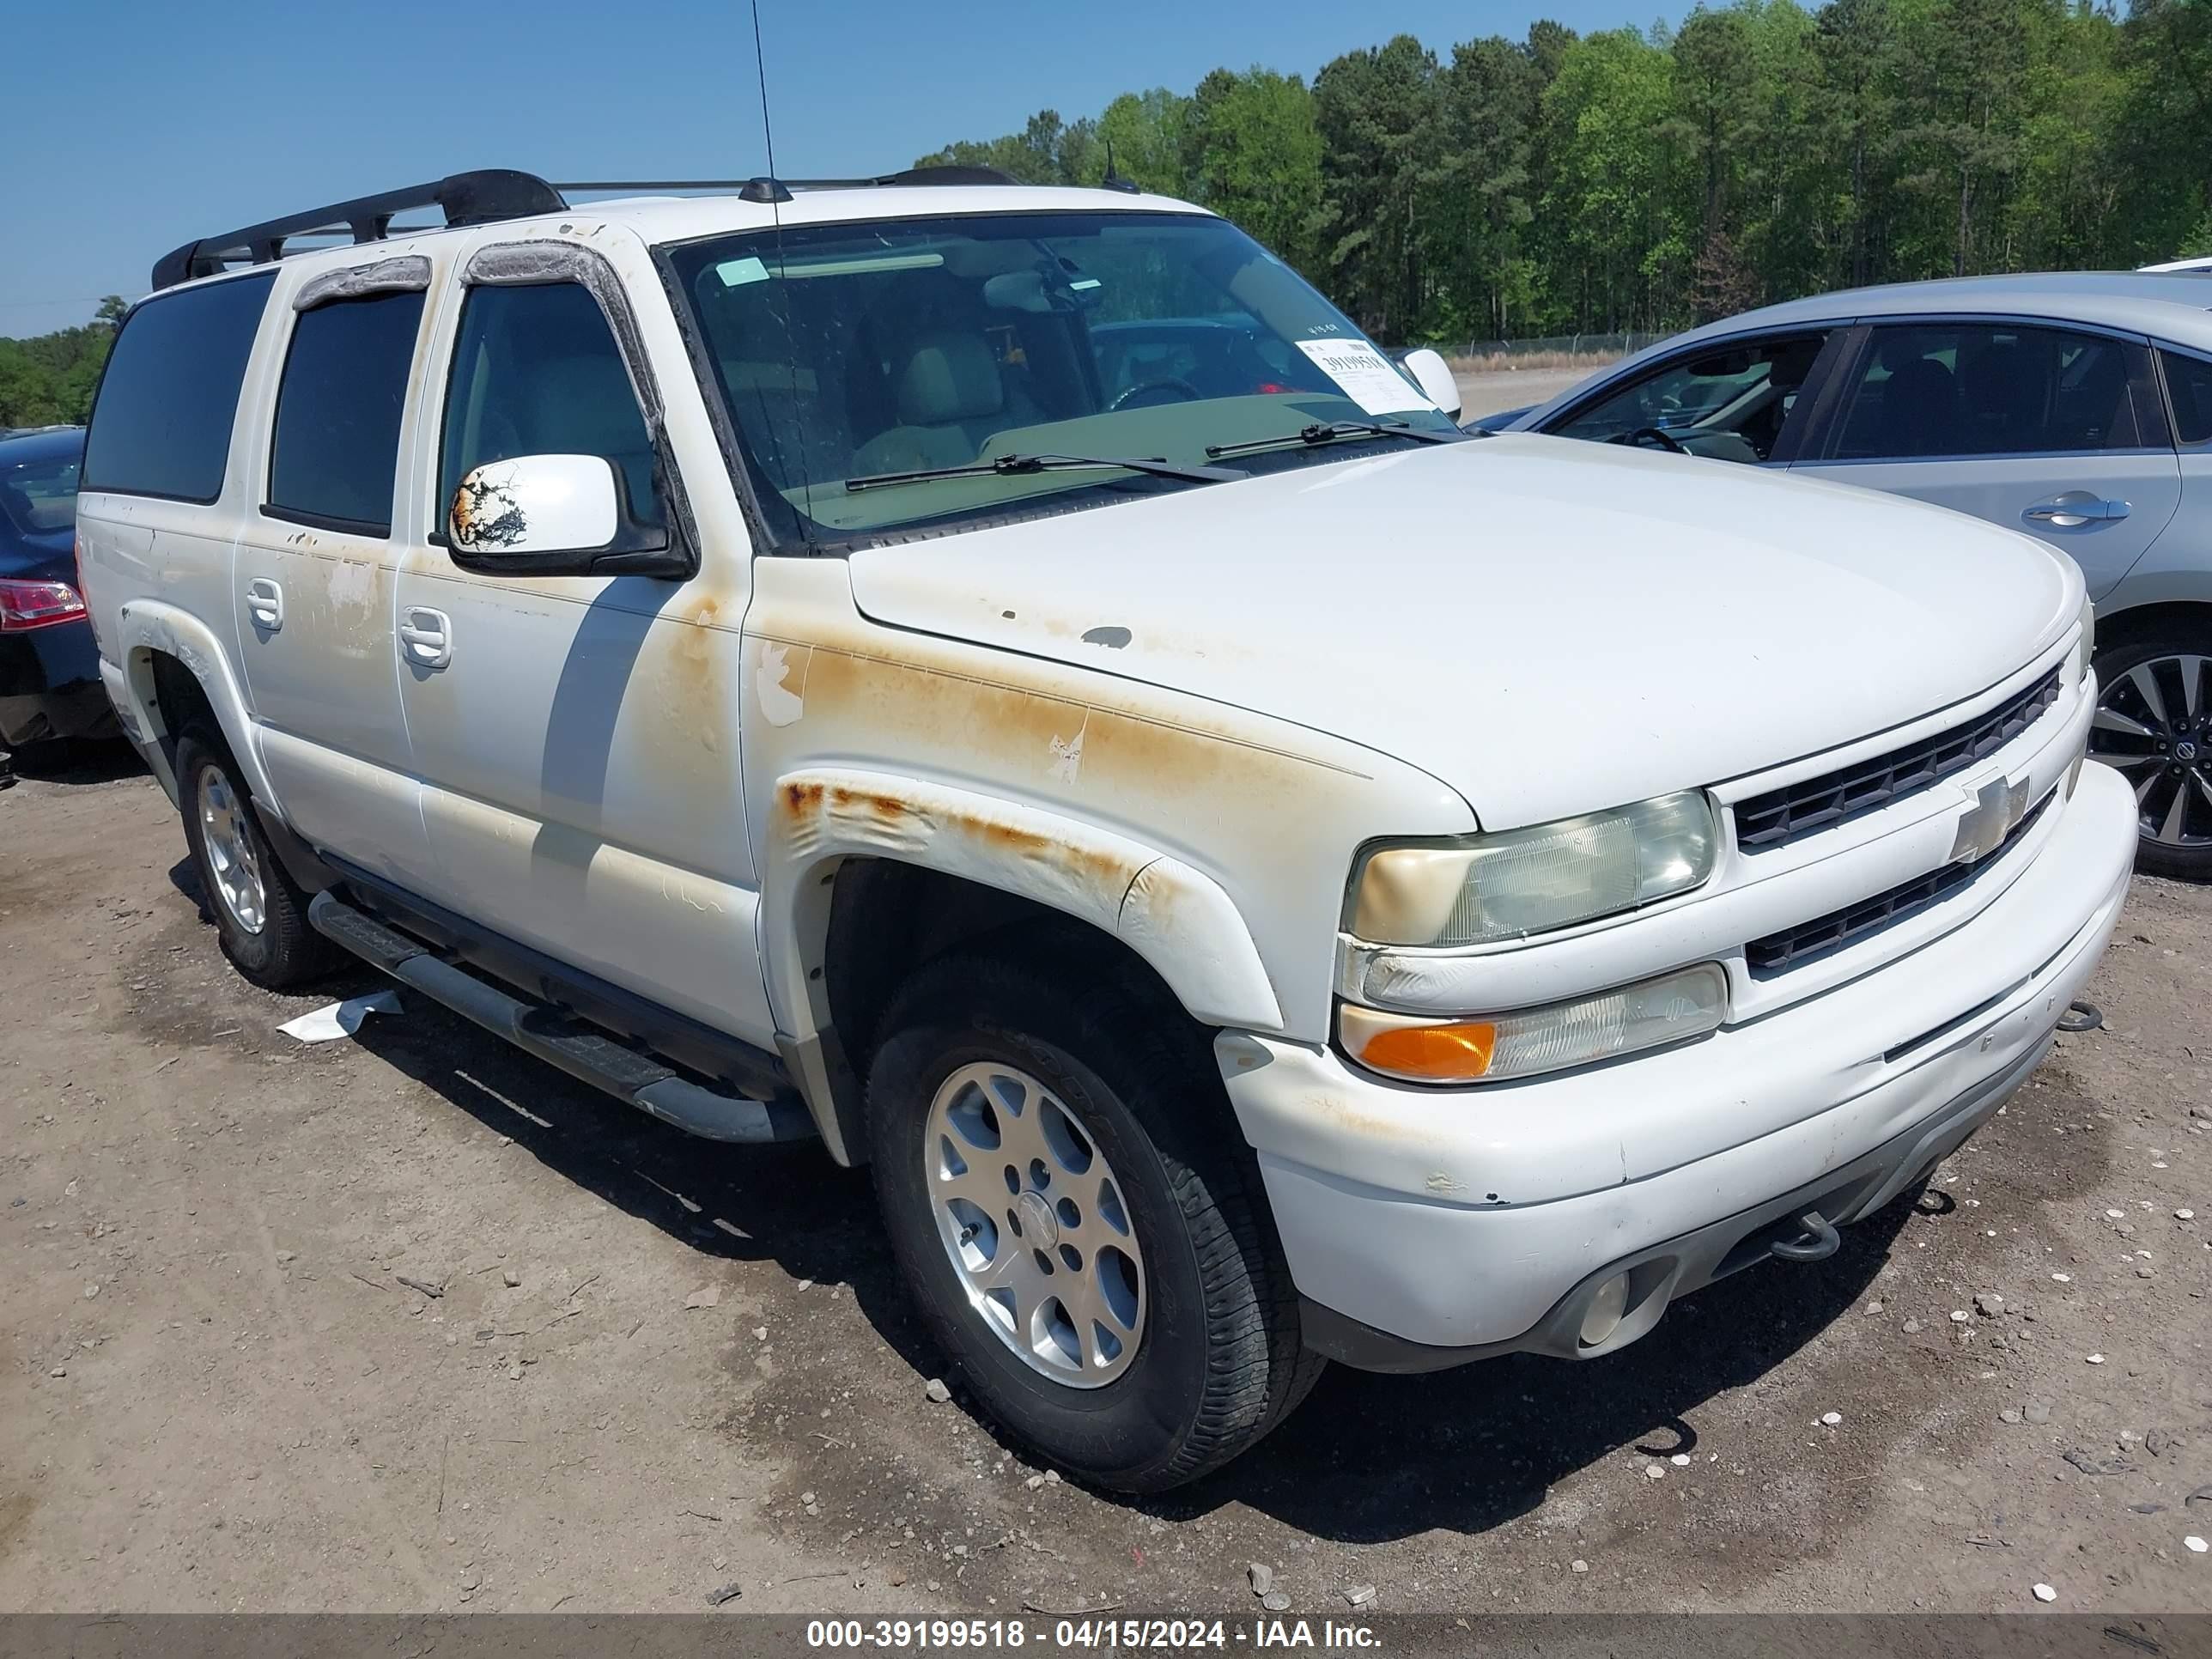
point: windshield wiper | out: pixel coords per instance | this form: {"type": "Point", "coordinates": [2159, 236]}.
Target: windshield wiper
{"type": "Point", "coordinates": [1325, 432]}
{"type": "Point", "coordinates": [1011, 466]}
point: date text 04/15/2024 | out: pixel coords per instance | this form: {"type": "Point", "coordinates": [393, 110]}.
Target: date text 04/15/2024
{"type": "Point", "coordinates": [1085, 1633]}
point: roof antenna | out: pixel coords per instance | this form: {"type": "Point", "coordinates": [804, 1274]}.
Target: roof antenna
{"type": "Point", "coordinates": [769, 190]}
{"type": "Point", "coordinates": [773, 191]}
{"type": "Point", "coordinates": [1114, 181]}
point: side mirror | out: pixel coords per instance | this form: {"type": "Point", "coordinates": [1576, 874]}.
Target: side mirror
{"type": "Point", "coordinates": [1434, 376]}
{"type": "Point", "coordinates": [518, 513]}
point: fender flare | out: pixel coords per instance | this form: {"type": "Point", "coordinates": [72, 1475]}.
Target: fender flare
{"type": "Point", "coordinates": [146, 627]}
{"type": "Point", "coordinates": [1176, 918]}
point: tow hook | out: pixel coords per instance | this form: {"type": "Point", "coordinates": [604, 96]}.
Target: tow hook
{"type": "Point", "coordinates": [1819, 1241]}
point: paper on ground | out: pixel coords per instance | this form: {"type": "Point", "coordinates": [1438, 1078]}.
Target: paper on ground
{"type": "Point", "coordinates": [1367, 377]}
{"type": "Point", "coordinates": [339, 1020]}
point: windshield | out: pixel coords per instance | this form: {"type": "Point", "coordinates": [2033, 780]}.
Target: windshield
{"type": "Point", "coordinates": [38, 493]}
{"type": "Point", "coordinates": [856, 351]}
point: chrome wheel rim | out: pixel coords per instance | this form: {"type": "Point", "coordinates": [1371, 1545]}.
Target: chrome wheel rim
{"type": "Point", "coordinates": [1033, 1220]}
{"type": "Point", "coordinates": [229, 845]}
{"type": "Point", "coordinates": [2153, 725]}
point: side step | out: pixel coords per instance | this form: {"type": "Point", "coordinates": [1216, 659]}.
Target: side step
{"type": "Point", "coordinates": [583, 1051]}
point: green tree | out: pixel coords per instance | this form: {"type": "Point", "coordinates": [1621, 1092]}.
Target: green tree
{"type": "Point", "coordinates": [1381, 116]}
{"type": "Point", "coordinates": [1711, 125]}
{"type": "Point", "coordinates": [1144, 134]}
{"type": "Point", "coordinates": [2163, 144]}
{"type": "Point", "coordinates": [1492, 92]}
{"type": "Point", "coordinates": [1030, 155]}
{"type": "Point", "coordinates": [1620, 260]}
{"type": "Point", "coordinates": [49, 379]}
{"type": "Point", "coordinates": [1643, 179]}
{"type": "Point", "coordinates": [1253, 152]}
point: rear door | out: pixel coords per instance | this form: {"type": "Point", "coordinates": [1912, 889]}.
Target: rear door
{"type": "Point", "coordinates": [2056, 430]}
{"type": "Point", "coordinates": [2188, 376]}
{"type": "Point", "coordinates": [315, 563]}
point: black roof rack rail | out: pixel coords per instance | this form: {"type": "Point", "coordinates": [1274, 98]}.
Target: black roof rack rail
{"type": "Point", "coordinates": [659, 184]}
{"type": "Point", "coordinates": [491, 194]}
{"type": "Point", "coordinates": [778, 189]}
{"type": "Point", "coordinates": [467, 198]}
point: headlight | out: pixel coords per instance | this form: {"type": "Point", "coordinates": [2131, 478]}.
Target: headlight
{"type": "Point", "coordinates": [1686, 1004]}
{"type": "Point", "coordinates": [2087, 649]}
{"type": "Point", "coordinates": [1525, 881]}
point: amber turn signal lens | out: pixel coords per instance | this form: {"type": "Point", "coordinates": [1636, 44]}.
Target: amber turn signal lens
{"type": "Point", "coordinates": [1456, 1052]}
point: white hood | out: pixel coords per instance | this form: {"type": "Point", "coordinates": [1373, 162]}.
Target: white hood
{"type": "Point", "coordinates": [1549, 626]}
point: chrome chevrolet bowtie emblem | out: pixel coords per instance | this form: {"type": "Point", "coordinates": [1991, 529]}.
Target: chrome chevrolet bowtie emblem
{"type": "Point", "coordinates": [1999, 806]}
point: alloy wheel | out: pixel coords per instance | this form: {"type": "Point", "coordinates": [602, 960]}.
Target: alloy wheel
{"type": "Point", "coordinates": [1032, 1218]}
{"type": "Point", "coordinates": [229, 842]}
{"type": "Point", "coordinates": [2153, 725]}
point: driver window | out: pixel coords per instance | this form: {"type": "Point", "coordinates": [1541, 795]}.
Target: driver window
{"type": "Point", "coordinates": [536, 372]}
{"type": "Point", "coordinates": [1726, 403]}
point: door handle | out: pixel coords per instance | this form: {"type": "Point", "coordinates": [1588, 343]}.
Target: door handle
{"type": "Point", "coordinates": [264, 603]}
{"type": "Point", "coordinates": [426, 638]}
{"type": "Point", "coordinates": [2076, 507]}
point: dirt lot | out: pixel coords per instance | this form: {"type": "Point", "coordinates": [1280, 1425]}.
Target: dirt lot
{"type": "Point", "coordinates": [221, 1388]}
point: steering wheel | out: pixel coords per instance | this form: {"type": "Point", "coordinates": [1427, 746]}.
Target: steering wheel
{"type": "Point", "coordinates": [1664, 439]}
{"type": "Point", "coordinates": [1191, 393]}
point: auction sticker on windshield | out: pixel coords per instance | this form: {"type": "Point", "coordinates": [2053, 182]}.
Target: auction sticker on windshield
{"type": "Point", "coordinates": [1365, 376]}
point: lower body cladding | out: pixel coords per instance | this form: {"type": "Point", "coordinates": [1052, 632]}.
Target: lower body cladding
{"type": "Point", "coordinates": [49, 686]}
{"type": "Point", "coordinates": [1561, 1214]}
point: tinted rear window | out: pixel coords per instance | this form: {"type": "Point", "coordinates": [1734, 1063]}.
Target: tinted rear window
{"type": "Point", "coordinates": [161, 426]}
{"type": "Point", "coordinates": [337, 443]}
{"type": "Point", "coordinates": [1958, 389]}
{"type": "Point", "coordinates": [2188, 384]}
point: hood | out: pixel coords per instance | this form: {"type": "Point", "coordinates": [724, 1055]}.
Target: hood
{"type": "Point", "coordinates": [1548, 626]}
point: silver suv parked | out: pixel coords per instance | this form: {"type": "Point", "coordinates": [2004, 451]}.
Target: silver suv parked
{"type": "Point", "coordinates": [2077, 407]}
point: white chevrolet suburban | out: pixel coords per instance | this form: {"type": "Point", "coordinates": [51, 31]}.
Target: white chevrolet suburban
{"type": "Point", "coordinates": [1011, 682]}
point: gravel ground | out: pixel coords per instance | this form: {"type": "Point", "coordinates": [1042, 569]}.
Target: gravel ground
{"type": "Point", "coordinates": [411, 1321]}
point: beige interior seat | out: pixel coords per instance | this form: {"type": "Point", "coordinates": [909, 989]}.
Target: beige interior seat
{"type": "Point", "coordinates": [952, 397]}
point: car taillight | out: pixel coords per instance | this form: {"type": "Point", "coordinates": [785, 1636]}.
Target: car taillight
{"type": "Point", "coordinates": [25, 605]}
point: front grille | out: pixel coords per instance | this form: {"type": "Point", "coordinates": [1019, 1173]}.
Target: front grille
{"type": "Point", "coordinates": [1792, 947]}
{"type": "Point", "coordinates": [1779, 817]}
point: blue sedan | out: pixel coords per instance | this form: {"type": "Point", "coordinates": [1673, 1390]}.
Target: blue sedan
{"type": "Point", "coordinates": [49, 669]}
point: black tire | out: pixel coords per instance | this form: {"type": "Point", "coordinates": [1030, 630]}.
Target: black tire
{"type": "Point", "coordinates": [2190, 749]}
{"type": "Point", "coordinates": [285, 951]}
{"type": "Point", "coordinates": [1218, 1363]}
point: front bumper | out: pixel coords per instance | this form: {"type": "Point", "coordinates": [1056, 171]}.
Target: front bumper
{"type": "Point", "coordinates": [49, 686]}
{"type": "Point", "coordinates": [1423, 1227]}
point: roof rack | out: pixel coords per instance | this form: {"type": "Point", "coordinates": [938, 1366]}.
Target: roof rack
{"type": "Point", "coordinates": [766, 190]}
{"type": "Point", "coordinates": [491, 194]}
{"type": "Point", "coordinates": [467, 198]}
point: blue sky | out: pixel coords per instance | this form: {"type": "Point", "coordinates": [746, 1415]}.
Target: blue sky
{"type": "Point", "coordinates": [134, 126]}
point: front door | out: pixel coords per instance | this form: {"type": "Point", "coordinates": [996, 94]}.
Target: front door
{"type": "Point", "coordinates": [2057, 432]}
{"type": "Point", "coordinates": [577, 737]}
{"type": "Point", "coordinates": [1742, 399]}
{"type": "Point", "coordinates": [314, 580]}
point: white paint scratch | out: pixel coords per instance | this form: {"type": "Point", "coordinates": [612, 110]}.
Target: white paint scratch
{"type": "Point", "coordinates": [780, 706]}
{"type": "Point", "coordinates": [1067, 755]}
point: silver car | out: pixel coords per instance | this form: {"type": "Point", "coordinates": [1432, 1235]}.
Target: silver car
{"type": "Point", "coordinates": [2076, 406]}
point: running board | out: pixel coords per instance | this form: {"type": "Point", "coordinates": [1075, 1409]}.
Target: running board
{"type": "Point", "coordinates": [558, 1039]}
